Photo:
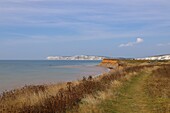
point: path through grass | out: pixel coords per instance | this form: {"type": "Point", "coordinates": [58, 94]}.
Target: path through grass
{"type": "Point", "coordinates": [131, 98]}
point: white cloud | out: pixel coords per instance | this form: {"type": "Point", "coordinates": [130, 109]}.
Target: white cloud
{"type": "Point", "coordinates": [138, 41]}
{"type": "Point", "coordinates": [165, 44]}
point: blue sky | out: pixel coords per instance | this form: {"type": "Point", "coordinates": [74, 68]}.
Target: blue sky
{"type": "Point", "coordinates": [35, 29]}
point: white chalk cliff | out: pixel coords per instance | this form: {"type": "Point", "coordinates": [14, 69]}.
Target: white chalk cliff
{"type": "Point", "coordinates": [160, 57]}
{"type": "Point", "coordinates": [77, 57]}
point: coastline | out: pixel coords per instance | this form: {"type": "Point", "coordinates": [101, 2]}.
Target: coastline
{"type": "Point", "coordinates": [68, 96]}
{"type": "Point", "coordinates": [45, 91]}
{"type": "Point", "coordinates": [49, 82]}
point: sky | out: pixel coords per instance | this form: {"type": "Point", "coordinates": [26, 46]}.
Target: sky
{"type": "Point", "coordinates": [35, 29]}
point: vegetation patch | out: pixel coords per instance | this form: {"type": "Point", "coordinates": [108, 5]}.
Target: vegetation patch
{"type": "Point", "coordinates": [158, 89]}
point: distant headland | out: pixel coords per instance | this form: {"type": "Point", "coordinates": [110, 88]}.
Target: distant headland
{"type": "Point", "coordinates": [157, 57]}
{"type": "Point", "coordinates": [92, 57]}
{"type": "Point", "coordinates": [77, 57]}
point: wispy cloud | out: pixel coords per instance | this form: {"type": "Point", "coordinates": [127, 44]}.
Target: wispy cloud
{"type": "Point", "coordinates": [26, 22]}
{"type": "Point", "coordinates": [138, 41]}
{"type": "Point", "coordinates": [18, 39]}
{"type": "Point", "coordinates": [163, 44]}
{"type": "Point", "coordinates": [66, 13]}
{"type": "Point", "coordinates": [93, 11]}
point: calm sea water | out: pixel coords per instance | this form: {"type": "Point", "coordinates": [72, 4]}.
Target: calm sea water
{"type": "Point", "coordinates": [15, 74]}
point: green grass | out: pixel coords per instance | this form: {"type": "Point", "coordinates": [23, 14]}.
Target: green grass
{"type": "Point", "coordinates": [130, 98]}
{"type": "Point", "coordinates": [147, 92]}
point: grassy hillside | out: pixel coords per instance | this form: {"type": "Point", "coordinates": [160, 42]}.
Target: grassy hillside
{"type": "Point", "coordinates": [146, 91]}
{"type": "Point", "coordinates": [135, 86]}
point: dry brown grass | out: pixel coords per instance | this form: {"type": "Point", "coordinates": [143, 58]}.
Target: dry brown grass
{"type": "Point", "coordinates": [158, 89]}
{"type": "Point", "coordinates": [14, 100]}
{"type": "Point", "coordinates": [92, 103]}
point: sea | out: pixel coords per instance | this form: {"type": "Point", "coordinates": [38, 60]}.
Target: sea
{"type": "Point", "coordinates": [18, 73]}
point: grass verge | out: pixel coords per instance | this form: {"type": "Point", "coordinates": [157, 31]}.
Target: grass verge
{"type": "Point", "coordinates": [146, 91]}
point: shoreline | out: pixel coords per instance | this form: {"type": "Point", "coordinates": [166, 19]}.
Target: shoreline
{"type": "Point", "coordinates": [46, 91]}
{"type": "Point", "coordinates": [69, 95]}
{"type": "Point", "coordinates": [49, 82]}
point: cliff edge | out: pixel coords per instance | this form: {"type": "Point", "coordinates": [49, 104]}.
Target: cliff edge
{"type": "Point", "coordinates": [110, 63]}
